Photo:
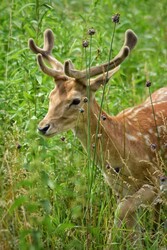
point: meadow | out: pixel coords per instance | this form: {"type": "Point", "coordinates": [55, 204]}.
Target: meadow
{"type": "Point", "coordinates": [44, 183]}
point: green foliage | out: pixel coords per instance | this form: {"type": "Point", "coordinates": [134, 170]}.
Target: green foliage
{"type": "Point", "coordinates": [44, 183]}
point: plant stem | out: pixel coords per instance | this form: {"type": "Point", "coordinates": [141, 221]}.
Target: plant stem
{"type": "Point", "coordinates": [102, 100]}
{"type": "Point", "coordinates": [154, 115]}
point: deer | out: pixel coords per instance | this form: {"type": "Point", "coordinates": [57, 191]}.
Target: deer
{"type": "Point", "coordinates": [131, 147]}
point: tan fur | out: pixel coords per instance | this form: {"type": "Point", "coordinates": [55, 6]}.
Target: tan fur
{"type": "Point", "coordinates": [132, 147]}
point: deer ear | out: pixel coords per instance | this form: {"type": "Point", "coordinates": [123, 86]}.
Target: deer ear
{"type": "Point", "coordinates": [102, 79]}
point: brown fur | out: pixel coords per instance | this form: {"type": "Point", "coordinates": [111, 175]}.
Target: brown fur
{"type": "Point", "coordinates": [131, 148]}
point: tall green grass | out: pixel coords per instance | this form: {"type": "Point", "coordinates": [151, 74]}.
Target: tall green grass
{"type": "Point", "coordinates": [44, 183]}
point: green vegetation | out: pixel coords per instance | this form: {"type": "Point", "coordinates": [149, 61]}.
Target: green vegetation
{"type": "Point", "coordinates": [44, 183]}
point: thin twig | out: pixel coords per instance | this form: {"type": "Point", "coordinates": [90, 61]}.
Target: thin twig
{"type": "Point", "coordinates": [102, 99]}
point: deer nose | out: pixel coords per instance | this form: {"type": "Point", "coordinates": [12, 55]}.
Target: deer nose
{"type": "Point", "coordinates": [44, 129]}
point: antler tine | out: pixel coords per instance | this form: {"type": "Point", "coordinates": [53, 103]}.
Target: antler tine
{"type": "Point", "coordinates": [102, 79]}
{"type": "Point", "coordinates": [97, 70]}
{"type": "Point", "coordinates": [48, 44]}
{"type": "Point", "coordinates": [130, 42]}
{"type": "Point", "coordinates": [48, 41]}
{"type": "Point", "coordinates": [46, 52]}
{"type": "Point", "coordinates": [130, 39]}
{"type": "Point", "coordinates": [45, 69]}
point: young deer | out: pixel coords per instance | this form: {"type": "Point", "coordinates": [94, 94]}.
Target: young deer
{"type": "Point", "coordinates": [131, 148]}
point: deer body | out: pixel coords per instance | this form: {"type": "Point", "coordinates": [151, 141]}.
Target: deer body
{"type": "Point", "coordinates": [131, 148]}
{"type": "Point", "coordinates": [124, 147]}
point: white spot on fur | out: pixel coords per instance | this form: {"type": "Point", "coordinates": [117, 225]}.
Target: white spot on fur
{"type": "Point", "coordinates": [126, 111]}
{"type": "Point", "coordinates": [135, 119]}
{"type": "Point", "coordinates": [150, 120]}
{"type": "Point", "coordinates": [150, 130]}
{"type": "Point", "coordinates": [131, 137]}
{"type": "Point", "coordinates": [135, 112]}
{"type": "Point", "coordinates": [147, 139]}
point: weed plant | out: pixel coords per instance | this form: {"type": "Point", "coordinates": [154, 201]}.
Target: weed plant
{"type": "Point", "coordinates": [44, 184]}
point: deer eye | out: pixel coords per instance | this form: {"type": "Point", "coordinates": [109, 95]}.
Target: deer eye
{"type": "Point", "coordinates": [75, 101]}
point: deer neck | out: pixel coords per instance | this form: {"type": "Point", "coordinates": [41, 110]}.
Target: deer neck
{"type": "Point", "coordinates": [108, 130]}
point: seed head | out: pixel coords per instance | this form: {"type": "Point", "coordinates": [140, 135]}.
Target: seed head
{"type": "Point", "coordinates": [85, 43]}
{"type": "Point", "coordinates": [163, 184]}
{"type": "Point", "coordinates": [108, 166]}
{"type": "Point", "coordinates": [153, 146]}
{"type": "Point", "coordinates": [91, 32]}
{"type": "Point", "coordinates": [85, 99]}
{"type": "Point", "coordinates": [81, 110]}
{"type": "Point", "coordinates": [117, 169]}
{"type": "Point", "coordinates": [18, 146]}
{"type": "Point", "coordinates": [148, 83]}
{"type": "Point", "coordinates": [63, 138]}
{"type": "Point", "coordinates": [103, 117]}
{"type": "Point", "coordinates": [115, 18]}
{"type": "Point", "coordinates": [163, 179]}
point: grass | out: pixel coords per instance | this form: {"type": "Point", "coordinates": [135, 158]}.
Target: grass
{"type": "Point", "coordinates": [44, 183]}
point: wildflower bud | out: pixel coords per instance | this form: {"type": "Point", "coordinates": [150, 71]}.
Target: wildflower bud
{"type": "Point", "coordinates": [163, 184]}
{"type": "Point", "coordinates": [91, 32]}
{"type": "Point", "coordinates": [117, 169]}
{"type": "Point", "coordinates": [103, 117]}
{"type": "Point", "coordinates": [18, 146]}
{"type": "Point", "coordinates": [153, 146]}
{"type": "Point", "coordinates": [63, 138]}
{"type": "Point", "coordinates": [85, 43]}
{"type": "Point", "coordinates": [163, 179]}
{"type": "Point", "coordinates": [108, 166]}
{"type": "Point", "coordinates": [85, 99]}
{"type": "Point", "coordinates": [115, 18]}
{"type": "Point", "coordinates": [81, 110]}
{"type": "Point", "coordinates": [148, 83]}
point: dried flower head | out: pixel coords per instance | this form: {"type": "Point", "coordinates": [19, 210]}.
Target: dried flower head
{"type": "Point", "coordinates": [81, 110]}
{"type": "Point", "coordinates": [116, 169]}
{"type": "Point", "coordinates": [85, 99]}
{"type": "Point", "coordinates": [163, 179]}
{"type": "Point", "coordinates": [91, 32]}
{"type": "Point", "coordinates": [63, 138]}
{"type": "Point", "coordinates": [103, 117]}
{"type": "Point", "coordinates": [153, 146]}
{"type": "Point", "coordinates": [115, 18]}
{"type": "Point", "coordinates": [108, 166]}
{"type": "Point", "coordinates": [85, 43]}
{"type": "Point", "coordinates": [18, 146]}
{"type": "Point", "coordinates": [163, 184]}
{"type": "Point", "coordinates": [148, 83]}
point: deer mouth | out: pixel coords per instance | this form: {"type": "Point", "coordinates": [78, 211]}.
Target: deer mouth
{"type": "Point", "coordinates": [47, 135]}
{"type": "Point", "coordinates": [46, 131]}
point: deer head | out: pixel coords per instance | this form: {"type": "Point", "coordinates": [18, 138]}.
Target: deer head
{"type": "Point", "coordinates": [71, 89]}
